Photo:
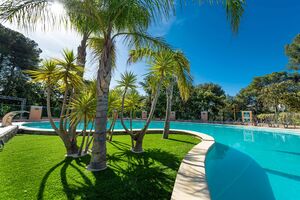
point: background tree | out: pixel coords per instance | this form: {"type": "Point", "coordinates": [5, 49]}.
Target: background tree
{"type": "Point", "coordinates": [253, 96]}
{"type": "Point", "coordinates": [18, 53]}
{"type": "Point", "coordinates": [293, 52]}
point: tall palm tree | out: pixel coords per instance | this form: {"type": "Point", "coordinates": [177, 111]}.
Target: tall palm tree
{"type": "Point", "coordinates": [163, 64]}
{"type": "Point", "coordinates": [128, 19]}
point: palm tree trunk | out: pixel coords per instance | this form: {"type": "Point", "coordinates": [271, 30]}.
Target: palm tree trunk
{"type": "Point", "coordinates": [168, 111]}
{"type": "Point", "coordinates": [98, 159]}
{"type": "Point", "coordinates": [49, 111]}
{"type": "Point", "coordinates": [71, 146]}
{"type": "Point", "coordinates": [138, 148]}
{"type": "Point", "coordinates": [122, 112]}
{"type": "Point", "coordinates": [88, 138]}
{"type": "Point", "coordinates": [83, 136]}
{"type": "Point", "coordinates": [130, 122]}
{"type": "Point", "coordinates": [131, 131]}
{"type": "Point", "coordinates": [63, 109]}
{"type": "Point", "coordinates": [81, 50]}
{"type": "Point", "coordinates": [112, 129]}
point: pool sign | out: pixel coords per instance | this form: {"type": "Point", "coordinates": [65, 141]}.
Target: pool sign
{"type": "Point", "coordinates": [247, 116]}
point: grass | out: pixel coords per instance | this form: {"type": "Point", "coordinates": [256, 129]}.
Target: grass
{"type": "Point", "coordinates": [34, 167]}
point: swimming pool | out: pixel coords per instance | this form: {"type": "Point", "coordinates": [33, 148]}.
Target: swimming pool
{"type": "Point", "coordinates": [245, 163]}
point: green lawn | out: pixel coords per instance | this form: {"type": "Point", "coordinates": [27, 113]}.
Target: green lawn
{"type": "Point", "coordinates": [34, 167]}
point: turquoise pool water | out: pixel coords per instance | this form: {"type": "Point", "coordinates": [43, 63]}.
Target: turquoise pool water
{"type": "Point", "coordinates": [245, 163]}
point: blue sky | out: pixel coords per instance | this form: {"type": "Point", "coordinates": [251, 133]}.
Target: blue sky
{"type": "Point", "coordinates": [203, 33]}
{"type": "Point", "coordinates": [218, 56]}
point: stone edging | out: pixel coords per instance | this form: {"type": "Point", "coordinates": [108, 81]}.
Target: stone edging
{"type": "Point", "coordinates": [191, 181]}
{"type": "Point", "coordinates": [6, 133]}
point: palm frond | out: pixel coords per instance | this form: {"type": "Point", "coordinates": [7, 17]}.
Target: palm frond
{"type": "Point", "coordinates": [27, 13]}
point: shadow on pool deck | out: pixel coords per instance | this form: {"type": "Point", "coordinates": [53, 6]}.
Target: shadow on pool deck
{"type": "Point", "coordinates": [234, 175]}
{"type": "Point", "coordinates": [142, 178]}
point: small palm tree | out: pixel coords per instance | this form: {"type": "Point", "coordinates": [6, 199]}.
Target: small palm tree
{"type": "Point", "coordinates": [70, 78]}
{"type": "Point", "coordinates": [48, 75]}
{"type": "Point", "coordinates": [127, 82]}
{"type": "Point", "coordinates": [183, 78]}
{"type": "Point", "coordinates": [114, 105]}
{"type": "Point", "coordinates": [133, 103]}
{"type": "Point", "coordinates": [64, 74]}
{"type": "Point", "coordinates": [163, 65]}
{"type": "Point", "coordinates": [83, 107]}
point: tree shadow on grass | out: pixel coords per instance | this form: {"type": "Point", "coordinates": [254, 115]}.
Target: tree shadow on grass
{"type": "Point", "coordinates": [129, 176]}
{"type": "Point", "coordinates": [183, 141]}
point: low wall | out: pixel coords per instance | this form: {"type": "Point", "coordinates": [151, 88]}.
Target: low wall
{"type": "Point", "coordinates": [6, 133]}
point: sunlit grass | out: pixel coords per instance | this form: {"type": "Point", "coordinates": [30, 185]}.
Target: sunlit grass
{"type": "Point", "coordinates": [34, 167]}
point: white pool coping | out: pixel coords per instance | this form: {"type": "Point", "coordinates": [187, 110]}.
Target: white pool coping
{"type": "Point", "coordinates": [246, 127]}
{"type": "Point", "coordinates": [191, 183]}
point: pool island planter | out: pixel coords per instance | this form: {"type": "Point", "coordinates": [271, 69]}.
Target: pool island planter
{"type": "Point", "coordinates": [190, 181]}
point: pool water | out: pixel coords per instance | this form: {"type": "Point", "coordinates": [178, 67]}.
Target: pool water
{"type": "Point", "coordinates": [245, 163]}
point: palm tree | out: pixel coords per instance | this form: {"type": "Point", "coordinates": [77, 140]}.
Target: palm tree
{"type": "Point", "coordinates": [47, 74]}
{"type": "Point", "coordinates": [62, 73]}
{"type": "Point", "coordinates": [127, 82]}
{"type": "Point", "coordinates": [69, 75]}
{"type": "Point", "coordinates": [83, 107]}
{"type": "Point", "coordinates": [114, 105]}
{"type": "Point", "coordinates": [114, 18]}
{"type": "Point", "coordinates": [133, 102]}
{"type": "Point", "coordinates": [163, 64]}
{"type": "Point", "coordinates": [183, 78]}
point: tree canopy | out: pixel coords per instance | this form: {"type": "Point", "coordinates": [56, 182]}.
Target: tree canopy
{"type": "Point", "coordinates": [293, 52]}
{"type": "Point", "coordinates": [18, 53]}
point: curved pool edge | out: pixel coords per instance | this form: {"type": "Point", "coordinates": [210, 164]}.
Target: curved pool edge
{"type": "Point", "coordinates": [191, 182]}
